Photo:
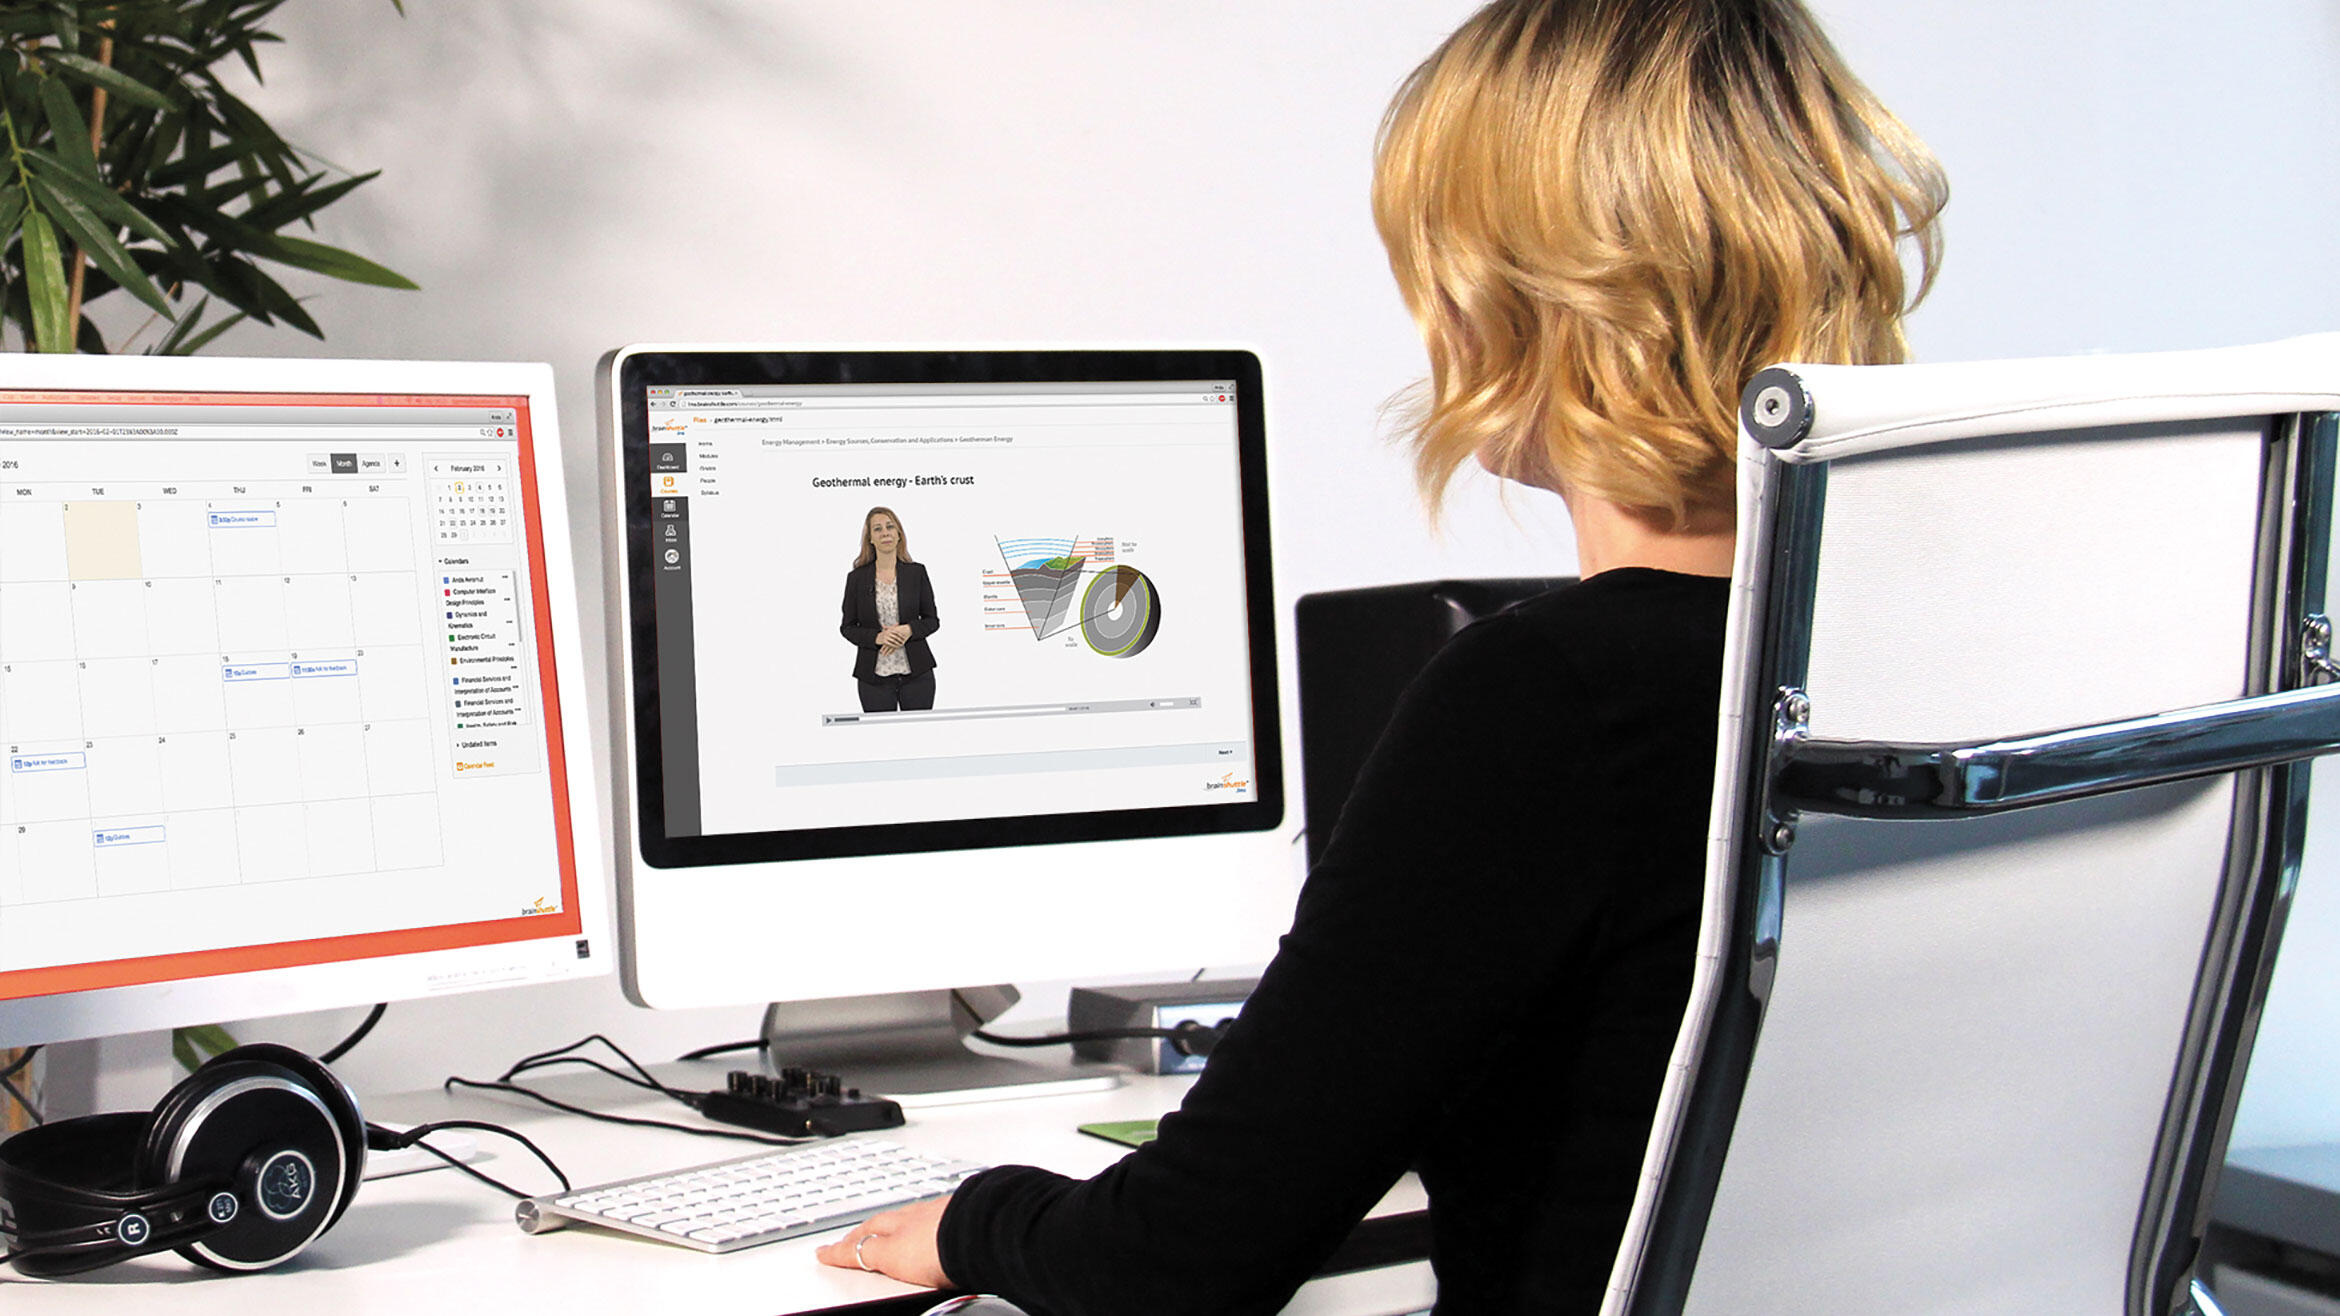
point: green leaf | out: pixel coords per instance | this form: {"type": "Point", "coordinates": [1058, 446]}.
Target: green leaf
{"type": "Point", "coordinates": [189, 320]}
{"type": "Point", "coordinates": [192, 1046]}
{"type": "Point", "coordinates": [114, 80]}
{"type": "Point", "coordinates": [316, 256]}
{"type": "Point", "coordinates": [284, 305]}
{"type": "Point", "coordinates": [196, 168]}
{"type": "Point", "coordinates": [212, 198]}
{"type": "Point", "coordinates": [183, 340]}
{"type": "Point", "coordinates": [44, 276]}
{"type": "Point", "coordinates": [232, 282]}
{"type": "Point", "coordinates": [203, 340]}
{"type": "Point", "coordinates": [301, 202]}
{"type": "Point", "coordinates": [141, 145]}
{"type": "Point", "coordinates": [244, 122]}
{"type": "Point", "coordinates": [65, 21]}
{"type": "Point", "coordinates": [98, 243]}
{"type": "Point", "coordinates": [100, 199]}
{"type": "Point", "coordinates": [70, 130]}
{"type": "Point", "coordinates": [248, 288]}
{"type": "Point", "coordinates": [11, 208]}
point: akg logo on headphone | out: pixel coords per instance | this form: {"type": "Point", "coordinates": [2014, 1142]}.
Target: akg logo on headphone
{"type": "Point", "coordinates": [285, 1184]}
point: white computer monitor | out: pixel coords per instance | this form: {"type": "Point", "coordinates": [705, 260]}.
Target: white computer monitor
{"type": "Point", "coordinates": [292, 706]}
{"type": "Point", "coordinates": [1096, 784]}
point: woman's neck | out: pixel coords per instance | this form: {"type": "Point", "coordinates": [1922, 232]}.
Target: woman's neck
{"type": "Point", "coordinates": [885, 560]}
{"type": "Point", "coordinates": [1610, 535]}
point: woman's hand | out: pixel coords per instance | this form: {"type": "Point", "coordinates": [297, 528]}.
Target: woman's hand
{"type": "Point", "coordinates": [892, 638]}
{"type": "Point", "coordinates": [897, 1243]}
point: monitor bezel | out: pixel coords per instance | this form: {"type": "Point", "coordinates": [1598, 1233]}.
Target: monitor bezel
{"type": "Point", "coordinates": [634, 370]}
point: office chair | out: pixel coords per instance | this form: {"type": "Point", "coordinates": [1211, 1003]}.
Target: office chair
{"type": "Point", "coordinates": [2025, 663]}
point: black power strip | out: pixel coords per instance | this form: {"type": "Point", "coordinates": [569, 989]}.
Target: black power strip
{"type": "Point", "coordinates": [798, 1103]}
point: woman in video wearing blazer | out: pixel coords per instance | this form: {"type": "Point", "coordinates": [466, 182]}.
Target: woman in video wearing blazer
{"type": "Point", "coordinates": [889, 612]}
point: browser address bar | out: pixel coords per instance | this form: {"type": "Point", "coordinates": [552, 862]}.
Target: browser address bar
{"type": "Point", "coordinates": [172, 430]}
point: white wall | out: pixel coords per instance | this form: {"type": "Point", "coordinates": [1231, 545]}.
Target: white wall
{"type": "Point", "coordinates": [563, 177]}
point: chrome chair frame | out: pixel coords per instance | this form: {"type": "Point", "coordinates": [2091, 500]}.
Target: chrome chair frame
{"type": "Point", "coordinates": [2288, 714]}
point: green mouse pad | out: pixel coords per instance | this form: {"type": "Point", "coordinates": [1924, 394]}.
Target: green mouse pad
{"type": "Point", "coordinates": [1129, 1133]}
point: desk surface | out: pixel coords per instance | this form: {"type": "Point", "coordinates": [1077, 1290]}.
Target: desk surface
{"type": "Point", "coordinates": [423, 1238]}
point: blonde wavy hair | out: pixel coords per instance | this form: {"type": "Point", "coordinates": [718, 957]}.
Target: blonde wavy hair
{"type": "Point", "coordinates": [1606, 215]}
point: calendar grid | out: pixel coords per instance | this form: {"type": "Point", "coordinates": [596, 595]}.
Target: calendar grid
{"type": "Point", "coordinates": [201, 691]}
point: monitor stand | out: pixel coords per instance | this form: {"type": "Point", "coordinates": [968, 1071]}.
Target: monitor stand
{"type": "Point", "coordinates": [913, 1047]}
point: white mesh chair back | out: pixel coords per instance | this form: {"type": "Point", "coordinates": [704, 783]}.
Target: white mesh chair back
{"type": "Point", "coordinates": [2006, 820]}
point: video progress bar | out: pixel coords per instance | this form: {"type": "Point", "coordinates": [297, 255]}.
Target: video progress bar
{"type": "Point", "coordinates": [1214, 757]}
{"type": "Point", "coordinates": [1013, 710]}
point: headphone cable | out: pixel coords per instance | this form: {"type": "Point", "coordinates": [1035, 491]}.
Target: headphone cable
{"type": "Point", "coordinates": [382, 1139]}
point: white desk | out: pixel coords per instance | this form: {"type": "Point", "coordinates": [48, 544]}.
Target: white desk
{"type": "Point", "coordinates": [442, 1241]}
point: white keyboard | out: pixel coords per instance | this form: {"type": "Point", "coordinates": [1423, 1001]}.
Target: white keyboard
{"type": "Point", "coordinates": [757, 1199]}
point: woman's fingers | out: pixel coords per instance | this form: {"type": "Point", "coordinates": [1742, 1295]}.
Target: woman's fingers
{"type": "Point", "coordinates": [862, 1246]}
{"type": "Point", "coordinates": [900, 1244]}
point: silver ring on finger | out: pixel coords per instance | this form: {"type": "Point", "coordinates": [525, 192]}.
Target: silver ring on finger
{"type": "Point", "coordinates": [858, 1260]}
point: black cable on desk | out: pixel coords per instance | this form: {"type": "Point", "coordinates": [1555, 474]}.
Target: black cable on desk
{"type": "Point", "coordinates": [1191, 1038]}
{"type": "Point", "coordinates": [1188, 1039]}
{"type": "Point", "coordinates": [341, 1048]}
{"type": "Point", "coordinates": [379, 1138]}
{"type": "Point", "coordinates": [641, 1078]}
{"type": "Point", "coordinates": [1067, 1039]}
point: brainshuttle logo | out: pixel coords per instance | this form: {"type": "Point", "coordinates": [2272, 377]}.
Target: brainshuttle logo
{"type": "Point", "coordinates": [542, 906]}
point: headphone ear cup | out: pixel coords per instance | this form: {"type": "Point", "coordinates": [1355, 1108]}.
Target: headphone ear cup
{"type": "Point", "coordinates": [267, 1134]}
{"type": "Point", "coordinates": [340, 1103]}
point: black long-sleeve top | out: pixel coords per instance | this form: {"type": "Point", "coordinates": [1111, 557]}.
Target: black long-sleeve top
{"type": "Point", "coordinates": [1483, 983]}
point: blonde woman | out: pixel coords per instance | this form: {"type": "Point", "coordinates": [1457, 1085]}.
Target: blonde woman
{"type": "Point", "coordinates": [887, 615]}
{"type": "Point", "coordinates": [1605, 216]}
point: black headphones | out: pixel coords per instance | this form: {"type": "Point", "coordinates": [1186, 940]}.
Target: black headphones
{"type": "Point", "coordinates": [242, 1165]}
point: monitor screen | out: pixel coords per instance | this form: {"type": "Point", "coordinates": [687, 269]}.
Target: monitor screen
{"type": "Point", "coordinates": [1067, 550]}
{"type": "Point", "coordinates": [280, 695]}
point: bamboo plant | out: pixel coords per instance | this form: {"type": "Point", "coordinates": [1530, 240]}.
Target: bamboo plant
{"type": "Point", "coordinates": [131, 167]}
